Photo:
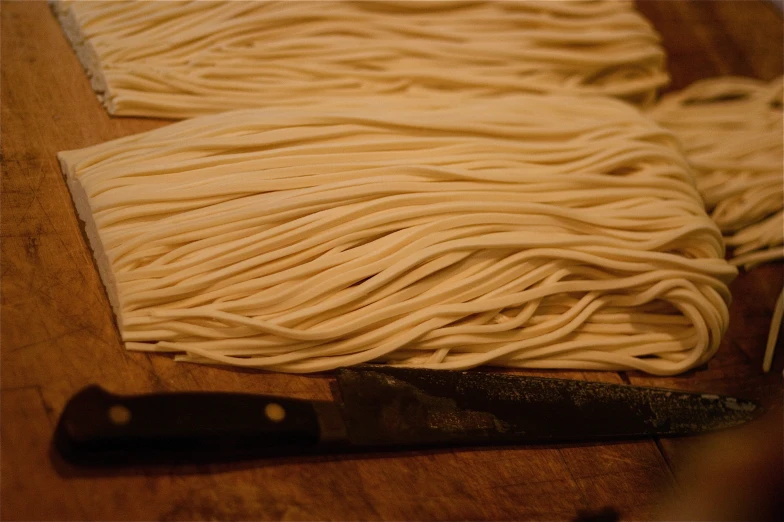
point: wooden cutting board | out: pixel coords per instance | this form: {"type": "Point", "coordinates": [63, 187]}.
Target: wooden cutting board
{"type": "Point", "coordinates": [57, 336]}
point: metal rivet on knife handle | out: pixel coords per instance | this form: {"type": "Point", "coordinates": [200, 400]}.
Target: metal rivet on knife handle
{"type": "Point", "coordinates": [274, 412]}
{"type": "Point", "coordinates": [119, 415]}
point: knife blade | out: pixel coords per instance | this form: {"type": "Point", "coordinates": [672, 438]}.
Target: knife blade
{"type": "Point", "coordinates": [380, 408]}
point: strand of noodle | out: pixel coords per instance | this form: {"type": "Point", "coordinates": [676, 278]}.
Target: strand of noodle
{"type": "Point", "coordinates": [773, 334]}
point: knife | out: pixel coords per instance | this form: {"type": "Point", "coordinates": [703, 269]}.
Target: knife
{"type": "Point", "coordinates": [380, 408]}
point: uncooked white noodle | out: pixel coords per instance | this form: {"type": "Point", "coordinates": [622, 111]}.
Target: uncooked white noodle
{"type": "Point", "coordinates": [534, 231]}
{"type": "Point", "coordinates": [184, 59]}
{"type": "Point", "coordinates": [773, 334]}
{"type": "Point", "coordinates": [733, 134]}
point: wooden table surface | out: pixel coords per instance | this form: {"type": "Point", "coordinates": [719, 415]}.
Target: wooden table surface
{"type": "Point", "coordinates": [58, 336]}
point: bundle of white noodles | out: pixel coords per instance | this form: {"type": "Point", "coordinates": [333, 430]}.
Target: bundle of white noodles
{"type": "Point", "coordinates": [185, 59]}
{"type": "Point", "coordinates": [732, 132]}
{"type": "Point", "coordinates": [534, 231]}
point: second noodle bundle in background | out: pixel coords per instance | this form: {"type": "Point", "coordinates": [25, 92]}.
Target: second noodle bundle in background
{"type": "Point", "coordinates": [733, 136]}
{"type": "Point", "coordinates": [185, 59]}
{"type": "Point", "coordinates": [530, 231]}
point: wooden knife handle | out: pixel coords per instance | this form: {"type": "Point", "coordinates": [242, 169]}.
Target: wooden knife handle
{"type": "Point", "coordinates": [100, 428]}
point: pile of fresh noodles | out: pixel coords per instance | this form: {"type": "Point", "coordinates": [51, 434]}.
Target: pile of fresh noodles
{"type": "Point", "coordinates": [733, 133]}
{"type": "Point", "coordinates": [530, 231]}
{"type": "Point", "coordinates": [184, 59]}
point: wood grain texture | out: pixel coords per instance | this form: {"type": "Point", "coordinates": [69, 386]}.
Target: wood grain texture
{"type": "Point", "coordinates": [57, 335]}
